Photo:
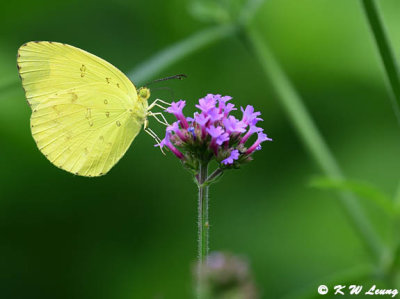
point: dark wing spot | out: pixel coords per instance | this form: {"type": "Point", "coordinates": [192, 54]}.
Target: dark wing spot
{"type": "Point", "coordinates": [88, 113]}
{"type": "Point", "coordinates": [83, 70]}
{"type": "Point", "coordinates": [55, 109]}
{"type": "Point", "coordinates": [74, 97]}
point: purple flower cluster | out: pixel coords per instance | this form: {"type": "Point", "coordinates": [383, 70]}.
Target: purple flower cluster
{"type": "Point", "coordinates": [213, 132]}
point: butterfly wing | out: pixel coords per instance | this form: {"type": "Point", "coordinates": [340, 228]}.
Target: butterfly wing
{"type": "Point", "coordinates": [85, 112]}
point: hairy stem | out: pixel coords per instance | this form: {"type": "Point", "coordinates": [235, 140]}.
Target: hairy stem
{"type": "Point", "coordinates": [313, 140]}
{"type": "Point", "coordinates": [203, 226]}
{"type": "Point", "coordinates": [375, 21]}
{"type": "Point", "coordinates": [214, 176]}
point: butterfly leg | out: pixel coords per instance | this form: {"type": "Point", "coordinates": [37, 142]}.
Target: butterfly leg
{"type": "Point", "coordinates": [155, 137]}
{"type": "Point", "coordinates": [155, 103]}
{"type": "Point", "coordinates": [163, 120]}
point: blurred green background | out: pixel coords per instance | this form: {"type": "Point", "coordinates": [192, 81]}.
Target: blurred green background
{"type": "Point", "coordinates": [132, 233]}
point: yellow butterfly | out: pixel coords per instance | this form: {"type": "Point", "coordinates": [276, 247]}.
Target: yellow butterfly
{"type": "Point", "coordinates": [85, 112]}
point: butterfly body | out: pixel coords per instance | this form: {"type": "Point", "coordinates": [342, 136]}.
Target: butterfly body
{"type": "Point", "coordinates": [85, 112]}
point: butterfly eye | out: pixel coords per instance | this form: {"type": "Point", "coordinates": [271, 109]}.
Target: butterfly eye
{"type": "Point", "coordinates": [144, 93]}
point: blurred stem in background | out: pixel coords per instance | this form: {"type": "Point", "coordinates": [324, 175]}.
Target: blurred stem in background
{"type": "Point", "coordinates": [375, 20]}
{"type": "Point", "coordinates": [203, 227]}
{"type": "Point", "coordinates": [192, 44]}
{"type": "Point", "coordinates": [312, 139]}
{"type": "Point", "coordinates": [178, 51]}
{"type": "Point", "coordinates": [378, 29]}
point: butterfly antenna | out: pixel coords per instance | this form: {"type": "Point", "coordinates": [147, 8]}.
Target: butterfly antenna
{"type": "Point", "coordinates": [179, 77]}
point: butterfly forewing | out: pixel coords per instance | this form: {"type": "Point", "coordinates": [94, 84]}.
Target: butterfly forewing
{"type": "Point", "coordinates": [82, 107]}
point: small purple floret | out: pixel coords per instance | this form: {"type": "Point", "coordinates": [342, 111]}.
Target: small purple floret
{"type": "Point", "coordinates": [177, 130]}
{"type": "Point", "coordinates": [191, 131]}
{"type": "Point", "coordinates": [222, 103]}
{"type": "Point", "coordinates": [261, 138]}
{"type": "Point", "coordinates": [207, 103]}
{"type": "Point", "coordinates": [215, 132]}
{"type": "Point", "coordinates": [176, 109]}
{"type": "Point", "coordinates": [222, 138]}
{"type": "Point", "coordinates": [228, 108]}
{"type": "Point", "coordinates": [167, 142]}
{"type": "Point", "coordinates": [233, 125]}
{"type": "Point", "coordinates": [201, 119]}
{"type": "Point", "coordinates": [214, 115]}
{"type": "Point", "coordinates": [249, 115]}
{"type": "Point", "coordinates": [232, 157]}
{"type": "Point", "coordinates": [251, 131]}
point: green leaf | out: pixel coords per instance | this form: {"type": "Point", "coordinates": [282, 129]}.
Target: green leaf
{"type": "Point", "coordinates": [362, 189]}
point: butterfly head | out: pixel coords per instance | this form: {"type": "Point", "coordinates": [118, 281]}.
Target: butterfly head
{"type": "Point", "coordinates": [143, 94]}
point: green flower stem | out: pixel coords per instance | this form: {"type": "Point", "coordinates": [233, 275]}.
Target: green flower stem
{"type": "Point", "coordinates": [374, 18]}
{"type": "Point", "coordinates": [178, 51]}
{"type": "Point", "coordinates": [214, 176]}
{"type": "Point", "coordinates": [203, 225]}
{"type": "Point", "coordinates": [303, 123]}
